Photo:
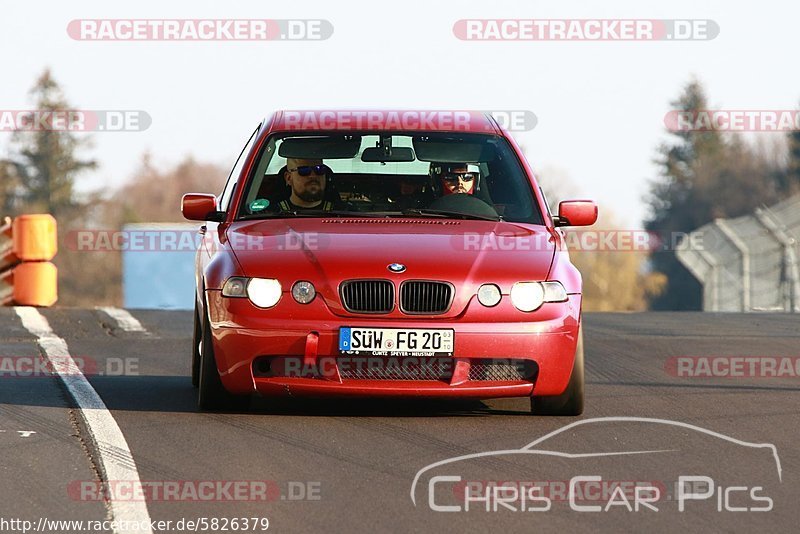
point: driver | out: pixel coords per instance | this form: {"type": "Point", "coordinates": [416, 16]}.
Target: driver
{"type": "Point", "coordinates": [455, 178]}
{"type": "Point", "coordinates": [307, 178]}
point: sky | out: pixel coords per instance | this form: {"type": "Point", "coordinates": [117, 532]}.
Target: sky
{"type": "Point", "coordinates": [600, 105]}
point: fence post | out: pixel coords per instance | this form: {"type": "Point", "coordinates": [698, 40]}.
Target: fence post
{"type": "Point", "coordinates": [708, 277]}
{"type": "Point", "coordinates": [773, 225]}
{"type": "Point", "coordinates": [712, 281]}
{"type": "Point", "coordinates": [745, 254]}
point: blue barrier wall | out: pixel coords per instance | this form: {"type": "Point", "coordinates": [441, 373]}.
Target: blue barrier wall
{"type": "Point", "coordinates": [158, 267]}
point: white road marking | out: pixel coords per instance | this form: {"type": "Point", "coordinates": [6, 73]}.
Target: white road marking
{"type": "Point", "coordinates": [103, 429]}
{"type": "Point", "coordinates": [124, 319]}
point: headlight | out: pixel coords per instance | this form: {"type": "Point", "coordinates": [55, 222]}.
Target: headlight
{"type": "Point", "coordinates": [303, 292]}
{"type": "Point", "coordinates": [236, 286]}
{"type": "Point", "coordinates": [264, 292]}
{"type": "Point", "coordinates": [489, 295]}
{"type": "Point", "coordinates": [527, 296]}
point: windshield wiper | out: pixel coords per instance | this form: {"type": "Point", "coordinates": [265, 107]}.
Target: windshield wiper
{"type": "Point", "coordinates": [332, 213]}
{"type": "Point", "coordinates": [309, 213]}
{"type": "Point", "coordinates": [446, 213]}
{"type": "Point", "coordinates": [365, 214]}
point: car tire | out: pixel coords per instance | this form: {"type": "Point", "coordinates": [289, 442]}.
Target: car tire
{"type": "Point", "coordinates": [571, 401]}
{"type": "Point", "coordinates": [197, 338]}
{"type": "Point", "coordinates": [211, 394]}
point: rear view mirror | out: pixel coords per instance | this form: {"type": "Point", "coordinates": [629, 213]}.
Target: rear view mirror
{"type": "Point", "coordinates": [576, 213]}
{"type": "Point", "coordinates": [200, 207]}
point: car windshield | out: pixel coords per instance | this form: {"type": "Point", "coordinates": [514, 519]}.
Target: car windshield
{"type": "Point", "coordinates": [443, 175]}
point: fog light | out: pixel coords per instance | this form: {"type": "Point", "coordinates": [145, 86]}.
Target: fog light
{"type": "Point", "coordinates": [303, 292]}
{"type": "Point", "coordinates": [263, 365]}
{"type": "Point", "coordinates": [489, 295]}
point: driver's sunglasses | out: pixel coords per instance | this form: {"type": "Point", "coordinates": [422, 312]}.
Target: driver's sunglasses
{"type": "Point", "coordinates": [305, 170]}
{"type": "Point", "coordinates": [454, 177]}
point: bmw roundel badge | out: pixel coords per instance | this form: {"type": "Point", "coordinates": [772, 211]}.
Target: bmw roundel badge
{"type": "Point", "coordinates": [397, 267]}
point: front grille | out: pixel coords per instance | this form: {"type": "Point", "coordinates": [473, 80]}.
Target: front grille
{"type": "Point", "coordinates": [424, 296]}
{"type": "Point", "coordinates": [367, 296]}
{"type": "Point", "coordinates": [502, 370]}
{"type": "Point", "coordinates": [396, 369]}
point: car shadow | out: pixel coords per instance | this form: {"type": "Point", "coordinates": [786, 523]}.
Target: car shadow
{"type": "Point", "coordinates": [175, 394]}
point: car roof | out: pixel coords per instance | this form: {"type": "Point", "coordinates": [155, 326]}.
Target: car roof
{"type": "Point", "coordinates": [385, 120]}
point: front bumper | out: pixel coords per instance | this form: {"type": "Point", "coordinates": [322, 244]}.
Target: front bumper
{"type": "Point", "coordinates": [244, 335]}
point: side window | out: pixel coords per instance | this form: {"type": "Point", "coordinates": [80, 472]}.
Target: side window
{"type": "Point", "coordinates": [230, 185]}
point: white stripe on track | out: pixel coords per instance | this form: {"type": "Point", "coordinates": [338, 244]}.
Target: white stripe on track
{"type": "Point", "coordinates": [103, 429]}
{"type": "Point", "coordinates": [124, 319]}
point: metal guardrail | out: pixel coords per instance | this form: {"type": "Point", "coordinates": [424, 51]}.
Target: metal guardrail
{"type": "Point", "coordinates": [749, 263]}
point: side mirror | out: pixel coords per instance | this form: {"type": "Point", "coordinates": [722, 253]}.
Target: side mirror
{"type": "Point", "coordinates": [576, 213]}
{"type": "Point", "coordinates": [200, 207]}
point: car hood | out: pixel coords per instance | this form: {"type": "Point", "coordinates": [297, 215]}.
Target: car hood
{"type": "Point", "coordinates": [466, 253]}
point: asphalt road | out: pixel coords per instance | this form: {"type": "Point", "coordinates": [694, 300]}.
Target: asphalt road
{"type": "Point", "coordinates": [350, 466]}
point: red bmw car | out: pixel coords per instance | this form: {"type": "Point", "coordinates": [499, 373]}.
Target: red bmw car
{"type": "Point", "coordinates": [383, 253]}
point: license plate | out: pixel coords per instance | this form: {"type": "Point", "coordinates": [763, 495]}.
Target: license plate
{"type": "Point", "coordinates": [396, 341]}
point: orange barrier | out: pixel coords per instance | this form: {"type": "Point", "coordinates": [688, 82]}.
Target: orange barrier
{"type": "Point", "coordinates": [27, 278]}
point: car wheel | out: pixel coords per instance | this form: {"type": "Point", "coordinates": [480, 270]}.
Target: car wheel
{"type": "Point", "coordinates": [211, 394]}
{"type": "Point", "coordinates": [197, 339]}
{"type": "Point", "coordinates": [571, 401]}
